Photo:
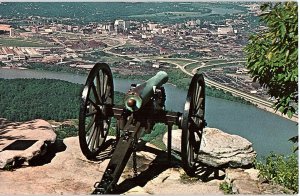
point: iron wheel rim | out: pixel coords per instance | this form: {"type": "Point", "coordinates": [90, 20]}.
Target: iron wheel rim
{"type": "Point", "coordinates": [192, 124]}
{"type": "Point", "coordinates": [94, 125]}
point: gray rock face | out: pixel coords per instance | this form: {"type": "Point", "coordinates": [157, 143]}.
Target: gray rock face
{"type": "Point", "coordinates": [24, 141]}
{"type": "Point", "coordinates": [219, 148]}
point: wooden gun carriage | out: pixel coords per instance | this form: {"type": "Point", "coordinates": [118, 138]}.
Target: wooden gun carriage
{"type": "Point", "coordinates": [144, 105]}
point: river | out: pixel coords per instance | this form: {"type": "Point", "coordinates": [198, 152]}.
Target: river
{"type": "Point", "coordinates": [268, 132]}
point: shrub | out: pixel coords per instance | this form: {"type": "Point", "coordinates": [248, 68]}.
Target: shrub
{"type": "Point", "coordinates": [280, 169]}
{"type": "Point", "coordinates": [65, 131]}
{"type": "Point", "coordinates": [226, 188]}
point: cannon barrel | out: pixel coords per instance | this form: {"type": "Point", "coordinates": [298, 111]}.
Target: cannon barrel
{"type": "Point", "coordinates": [140, 95]}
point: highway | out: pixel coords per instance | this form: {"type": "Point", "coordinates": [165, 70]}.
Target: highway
{"type": "Point", "coordinates": [235, 92]}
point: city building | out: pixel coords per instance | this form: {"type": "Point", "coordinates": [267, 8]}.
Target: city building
{"type": "Point", "coordinates": [6, 28]}
{"type": "Point", "coordinates": [121, 25]}
{"type": "Point", "coordinates": [224, 30]}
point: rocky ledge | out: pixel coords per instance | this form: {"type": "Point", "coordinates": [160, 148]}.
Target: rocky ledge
{"type": "Point", "coordinates": [64, 170]}
{"type": "Point", "coordinates": [219, 149]}
{"type": "Point", "coordinates": [69, 172]}
{"type": "Point", "coordinates": [20, 142]}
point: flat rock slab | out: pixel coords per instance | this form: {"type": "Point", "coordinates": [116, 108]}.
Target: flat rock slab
{"type": "Point", "coordinates": [219, 148]}
{"type": "Point", "coordinates": [22, 141]}
{"type": "Point", "coordinates": [69, 172]}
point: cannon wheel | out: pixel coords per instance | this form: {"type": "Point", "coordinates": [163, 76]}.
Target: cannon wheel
{"type": "Point", "coordinates": [97, 98]}
{"type": "Point", "coordinates": [192, 124]}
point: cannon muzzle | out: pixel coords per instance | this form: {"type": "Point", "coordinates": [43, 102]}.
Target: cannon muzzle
{"type": "Point", "coordinates": [140, 95]}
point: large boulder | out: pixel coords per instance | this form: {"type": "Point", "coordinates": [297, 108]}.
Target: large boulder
{"type": "Point", "coordinates": [22, 141]}
{"type": "Point", "coordinates": [219, 148]}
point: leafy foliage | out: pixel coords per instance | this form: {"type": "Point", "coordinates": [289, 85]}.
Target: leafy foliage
{"type": "Point", "coordinates": [156, 135]}
{"type": "Point", "coordinates": [49, 99]}
{"type": "Point", "coordinates": [226, 188]}
{"type": "Point", "coordinates": [294, 139]}
{"type": "Point", "coordinates": [272, 54]}
{"type": "Point", "coordinates": [280, 169]}
{"type": "Point", "coordinates": [54, 67]}
{"type": "Point", "coordinates": [65, 131]}
{"type": "Point", "coordinates": [26, 99]}
{"type": "Point", "coordinates": [76, 12]}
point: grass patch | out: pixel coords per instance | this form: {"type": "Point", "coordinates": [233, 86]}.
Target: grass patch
{"type": "Point", "coordinates": [226, 188]}
{"type": "Point", "coordinates": [216, 61]}
{"type": "Point", "coordinates": [20, 42]}
{"type": "Point", "coordinates": [65, 130]}
{"type": "Point", "coordinates": [192, 66]}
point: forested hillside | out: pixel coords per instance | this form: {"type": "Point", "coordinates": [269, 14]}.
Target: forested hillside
{"type": "Point", "coordinates": [26, 99]}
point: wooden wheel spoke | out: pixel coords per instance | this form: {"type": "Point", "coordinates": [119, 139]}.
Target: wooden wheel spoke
{"type": "Point", "coordinates": [196, 121]}
{"type": "Point", "coordinates": [104, 84]}
{"type": "Point", "coordinates": [94, 104]}
{"type": "Point", "coordinates": [198, 92]}
{"type": "Point", "coordinates": [102, 130]}
{"type": "Point", "coordinates": [98, 83]}
{"type": "Point", "coordinates": [100, 74]}
{"type": "Point", "coordinates": [192, 140]}
{"type": "Point", "coordinates": [91, 135]}
{"type": "Point", "coordinates": [195, 143]}
{"type": "Point", "coordinates": [90, 125]}
{"type": "Point", "coordinates": [97, 137]}
{"type": "Point", "coordinates": [91, 113]}
{"type": "Point", "coordinates": [94, 137]}
{"type": "Point", "coordinates": [96, 95]}
{"type": "Point", "coordinates": [107, 94]}
{"type": "Point", "coordinates": [199, 103]}
{"type": "Point", "coordinates": [189, 152]}
{"type": "Point", "coordinates": [105, 88]}
{"type": "Point", "coordinates": [195, 93]}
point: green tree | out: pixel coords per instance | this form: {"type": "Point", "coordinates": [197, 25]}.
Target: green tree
{"type": "Point", "coordinates": [272, 54]}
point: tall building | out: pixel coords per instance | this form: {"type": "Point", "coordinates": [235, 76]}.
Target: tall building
{"type": "Point", "coordinates": [152, 26]}
{"type": "Point", "coordinates": [109, 27]}
{"type": "Point", "coordinates": [121, 25]}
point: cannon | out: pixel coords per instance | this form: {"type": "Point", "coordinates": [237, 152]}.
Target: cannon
{"type": "Point", "coordinates": [144, 105]}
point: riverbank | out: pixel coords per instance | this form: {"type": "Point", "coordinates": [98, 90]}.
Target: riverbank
{"type": "Point", "coordinates": [7, 67]}
{"type": "Point", "coordinates": [268, 109]}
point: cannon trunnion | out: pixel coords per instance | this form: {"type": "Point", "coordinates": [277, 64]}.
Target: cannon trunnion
{"type": "Point", "coordinates": [144, 105]}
